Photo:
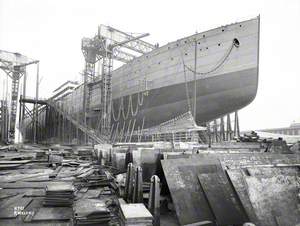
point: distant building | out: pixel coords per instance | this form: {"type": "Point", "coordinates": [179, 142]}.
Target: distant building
{"type": "Point", "coordinates": [294, 129]}
{"type": "Point", "coordinates": [64, 90]}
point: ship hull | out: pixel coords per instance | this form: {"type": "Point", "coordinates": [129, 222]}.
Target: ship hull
{"type": "Point", "coordinates": [216, 69]}
{"type": "Point", "coordinates": [224, 63]}
{"type": "Point", "coordinates": [215, 96]}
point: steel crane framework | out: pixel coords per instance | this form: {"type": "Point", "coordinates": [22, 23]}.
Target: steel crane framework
{"type": "Point", "coordinates": [108, 45]}
{"type": "Point", "coordinates": [14, 65]}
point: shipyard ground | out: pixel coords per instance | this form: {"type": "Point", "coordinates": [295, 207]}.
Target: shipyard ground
{"type": "Point", "coordinates": [263, 186]}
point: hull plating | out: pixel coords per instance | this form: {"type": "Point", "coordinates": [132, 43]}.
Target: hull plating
{"type": "Point", "coordinates": [216, 96]}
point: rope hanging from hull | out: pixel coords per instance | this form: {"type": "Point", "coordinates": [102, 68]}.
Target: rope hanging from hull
{"type": "Point", "coordinates": [133, 113]}
{"type": "Point", "coordinates": [113, 112]}
{"type": "Point", "coordinates": [140, 102]}
{"type": "Point", "coordinates": [130, 107]}
{"type": "Point", "coordinates": [234, 43]}
{"type": "Point", "coordinates": [123, 109]}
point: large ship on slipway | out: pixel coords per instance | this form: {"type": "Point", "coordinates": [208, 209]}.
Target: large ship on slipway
{"type": "Point", "coordinates": [208, 74]}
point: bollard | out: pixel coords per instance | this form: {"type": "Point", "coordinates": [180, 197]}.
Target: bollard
{"type": "Point", "coordinates": [129, 183]}
{"type": "Point", "coordinates": [228, 128]}
{"type": "Point", "coordinates": [138, 186]}
{"type": "Point", "coordinates": [154, 200]}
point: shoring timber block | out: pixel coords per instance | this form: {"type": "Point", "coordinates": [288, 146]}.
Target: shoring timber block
{"type": "Point", "coordinates": [154, 200]}
{"type": "Point", "coordinates": [138, 186]}
{"type": "Point", "coordinates": [129, 183]}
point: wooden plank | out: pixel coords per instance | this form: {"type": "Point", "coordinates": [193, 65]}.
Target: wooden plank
{"type": "Point", "coordinates": [18, 185]}
{"type": "Point", "coordinates": [9, 166]}
{"type": "Point", "coordinates": [14, 162]}
{"type": "Point", "coordinates": [220, 195]}
{"type": "Point", "coordinates": [88, 173]}
{"type": "Point", "coordinates": [24, 174]}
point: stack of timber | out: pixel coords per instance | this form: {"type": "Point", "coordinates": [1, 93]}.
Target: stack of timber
{"type": "Point", "coordinates": [91, 212]}
{"type": "Point", "coordinates": [84, 152]}
{"type": "Point", "coordinates": [23, 183]}
{"type": "Point", "coordinates": [135, 214]}
{"type": "Point", "coordinates": [59, 194]}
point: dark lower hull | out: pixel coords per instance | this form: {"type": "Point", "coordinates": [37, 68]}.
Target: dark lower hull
{"type": "Point", "coordinates": [216, 96]}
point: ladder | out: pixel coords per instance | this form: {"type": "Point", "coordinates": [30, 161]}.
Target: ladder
{"type": "Point", "coordinates": [14, 100]}
{"type": "Point", "coordinates": [106, 96]}
{"type": "Point", "coordinates": [85, 129]}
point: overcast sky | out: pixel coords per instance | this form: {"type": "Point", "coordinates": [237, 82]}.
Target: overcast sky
{"type": "Point", "coordinates": [51, 31]}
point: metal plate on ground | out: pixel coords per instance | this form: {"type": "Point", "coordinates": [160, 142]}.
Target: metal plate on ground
{"type": "Point", "coordinates": [244, 160]}
{"type": "Point", "coordinates": [237, 179]}
{"type": "Point", "coordinates": [14, 208]}
{"type": "Point", "coordinates": [221, 198]}
{"type": "Point", "coordinates": [188, 197]}
{"type": "Point", "coordinates": [149, 162]}
{"type": "Point", "coordinates": [53, 213]}
{"type": "Point", "coordinates": [274, 198]}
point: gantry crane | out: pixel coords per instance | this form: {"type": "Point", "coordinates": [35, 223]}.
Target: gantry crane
{"type": "Point", "coordinates": [14, 65]}
{"type": "Point", "coordinates": [109, 44]}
